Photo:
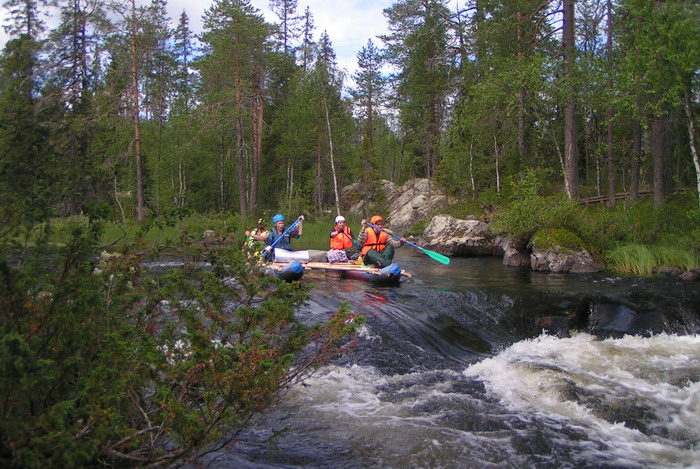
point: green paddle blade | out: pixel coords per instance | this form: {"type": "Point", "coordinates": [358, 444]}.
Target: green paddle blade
{"type": "Point", "coordinates": [437, 256]}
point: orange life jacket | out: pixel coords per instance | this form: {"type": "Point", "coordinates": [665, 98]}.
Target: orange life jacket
{"type": "Point", "coordinates": [372, 242]}
{"type": "Point", "coordinates": [342, 240]}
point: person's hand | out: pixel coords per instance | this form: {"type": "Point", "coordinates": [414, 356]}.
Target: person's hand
{"type": "Point", "coordinates": [363, 222]}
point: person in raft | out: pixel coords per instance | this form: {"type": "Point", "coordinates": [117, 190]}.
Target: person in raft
{"type": "Point", "coordinates": [342, 244]}
{"type": "Point", "coordinates": [255, 239]}
{"type": "Point", "coordinates": [377, 245]}
{"type": "Point", "coordinates": [278, 230]}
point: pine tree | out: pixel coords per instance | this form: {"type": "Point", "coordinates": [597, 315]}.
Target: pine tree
{"type": "Point", "coordinates": [417, 45]}
{"type": "Point", "coordinates": [289, 23]}
{"type": "Point", "coordinates": [236, 47]}
{"type": "Point", "coordinates": [368, 97]}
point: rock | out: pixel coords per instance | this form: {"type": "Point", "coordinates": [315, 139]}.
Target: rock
{"type": "Point", "coordinates": [690, 275]}
{"type": "Point", "coordinates": [209, 234]}
{"type": "Point", "coordinates": [560, 260]}
{"type": "Point", "coordinates": [513, 250]}
{"type": "Point", "coordinates": [455, 237]}
{"type": "Point", "coordinates": [406, 204]}
{"type": "Point", "coordinates": [411, 202]}
{"type": "Point", "coordinates": [670, 271]}
{"type": "Point", "coordinates": [358, 198]}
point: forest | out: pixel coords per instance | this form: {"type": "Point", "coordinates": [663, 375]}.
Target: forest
{"type": "Point", "coordinates": [122, 107]}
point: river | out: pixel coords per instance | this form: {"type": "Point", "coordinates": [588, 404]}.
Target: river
{"type": "Point", "coordinates": [453, 370]}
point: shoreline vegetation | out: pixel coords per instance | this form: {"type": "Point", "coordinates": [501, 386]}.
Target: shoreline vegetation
{"type": "Point", "coordinates": [636, 239]}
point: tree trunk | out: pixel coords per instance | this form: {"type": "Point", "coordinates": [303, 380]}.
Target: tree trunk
{"type": "Point", "coordinates": [657, 148]}
{"type": "Point", "coordinates": [570, 129]}
{"type": "Point", "coordinates": [258, 128]}
{"type": "Point", "coordinates": [693, 147]}
{"type": "Point", "coordinates": [318, 180]}
{"type": "Point", "coordinates": [240, 157]}
{"type": "Point", "coordinates": [636, 157]}
{"type": "Point", "coordinates": [140, 206]}
{"type": "Point", "coordinates": [611, 163]}
{"type": "Point", "coordinates": [330, 146]}
{"type": "Point", "coordinates": [611, 154]}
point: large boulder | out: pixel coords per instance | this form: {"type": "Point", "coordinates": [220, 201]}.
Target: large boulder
{"type": "Point", "coordinates": [454, 237]}
{"type": "Point", "coordinates": [406, 204]}
{"type": "Point", "coordinates": [513, 250]}
{"type": "Point", "coordinates": [413, 201]}
{"type": "Point", "coordinates": [556, 259]}
{"type": "Point", "coordinates": [357, 198]}
{"type": "Point", "coordinates": [560, 250]}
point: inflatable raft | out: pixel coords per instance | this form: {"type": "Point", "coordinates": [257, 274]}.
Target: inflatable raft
{"type": "Point", "coordinates": [288, 271]}
{"type": "Point", "coordinates": [389, 275]}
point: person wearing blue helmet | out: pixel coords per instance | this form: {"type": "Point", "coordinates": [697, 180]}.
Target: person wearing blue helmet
{"type": "Point", "coordinates": [278, 230]}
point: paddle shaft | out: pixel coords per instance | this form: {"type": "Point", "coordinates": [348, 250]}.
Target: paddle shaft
{"type": "Point", "coordinates": [354, 243]}
{"type": "Point", "coordinates": [291, 227]}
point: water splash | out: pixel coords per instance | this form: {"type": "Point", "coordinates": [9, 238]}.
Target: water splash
{"type": "Point", "coordinates": [638, 397]}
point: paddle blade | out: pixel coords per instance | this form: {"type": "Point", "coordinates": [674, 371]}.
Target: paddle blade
{"type": "Point", "coordinates": [437, 256]}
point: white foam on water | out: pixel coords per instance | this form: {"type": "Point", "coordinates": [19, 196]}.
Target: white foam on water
{"type": "Point", "coordinates": [376, 415]}
{"type": "Point", "coordinates": [590, 384]}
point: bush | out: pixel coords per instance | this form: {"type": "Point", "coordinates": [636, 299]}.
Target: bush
{"type": "Point", "coordinates": [104, 363]}
{"type": "Point", "coordinates": [559, 238]}
{"type": "Point", "coordinates": [525, 216]}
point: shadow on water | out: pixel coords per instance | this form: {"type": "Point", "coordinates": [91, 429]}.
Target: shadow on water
{"type": "Point", "coordinates": [453, 370]}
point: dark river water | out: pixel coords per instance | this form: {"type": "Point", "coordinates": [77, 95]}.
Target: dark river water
{"type": "Point", "coordinates": [453, 370]}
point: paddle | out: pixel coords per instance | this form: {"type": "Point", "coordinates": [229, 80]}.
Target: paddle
{"type": "Point", "coordinates": [354, 243]}
{"type": "Point", "coordinates": [432, 254]}
{"type": "Point", "coordinates": [268, 249]}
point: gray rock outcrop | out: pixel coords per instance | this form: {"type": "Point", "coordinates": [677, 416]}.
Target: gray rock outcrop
{"type": "Point", "coordinates": [406, 204]}
{"type": "Point", "coordinates": [557, 260]}
{"type": "Point", "coordinates": [413, 201]}
{"type": "Point", "coordinates": [513, 250]}
{"type": "Point", "coordinates": [454, 237]}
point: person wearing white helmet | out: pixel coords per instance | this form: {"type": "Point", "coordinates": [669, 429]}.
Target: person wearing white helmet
{"type": "Point", "coordinates": [341, 242]}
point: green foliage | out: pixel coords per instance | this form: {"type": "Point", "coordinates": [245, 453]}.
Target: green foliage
{"type": "Point", "coordinates": [631, 259]}
{"type": "Point", "coordinates": [531, 212]}
{"type": "Point", "coordinates": [641, 260]}
{"type": "Point", "coordinates": [559, 238]}
{"type": "Point", "coordinates": [103, 363]}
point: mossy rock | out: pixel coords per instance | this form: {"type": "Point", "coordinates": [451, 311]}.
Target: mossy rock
{"type": "Point", "coordinates": [560, 239]}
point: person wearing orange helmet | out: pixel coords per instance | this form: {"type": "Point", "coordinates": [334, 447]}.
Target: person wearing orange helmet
{"type": "Point", "coordinates": [377, 246]}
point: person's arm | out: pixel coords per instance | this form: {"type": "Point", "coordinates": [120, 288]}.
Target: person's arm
{"type": "Point", "coordinates": [362, 237]}
{"type": "Point", "coordinates": [397, 243]}
{"type": "Point", "coordinates": [262, 236]}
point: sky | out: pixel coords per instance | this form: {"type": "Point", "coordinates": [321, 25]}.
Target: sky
{"type": "Point", "coordinates": [349, 23]}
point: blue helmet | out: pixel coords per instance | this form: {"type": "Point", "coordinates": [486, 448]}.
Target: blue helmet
{"type": "Point", "coordinates": [278, 217]}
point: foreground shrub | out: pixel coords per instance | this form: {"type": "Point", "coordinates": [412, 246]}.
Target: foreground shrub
{"type": "Point", "coordinates": [103, 363]}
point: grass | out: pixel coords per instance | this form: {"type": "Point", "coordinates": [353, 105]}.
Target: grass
{"type": "Point", "coordinates": [639, 259]}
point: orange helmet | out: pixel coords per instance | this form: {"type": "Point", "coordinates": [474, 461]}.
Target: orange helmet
{"type": "Point", "coordinates": [375, 219]}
